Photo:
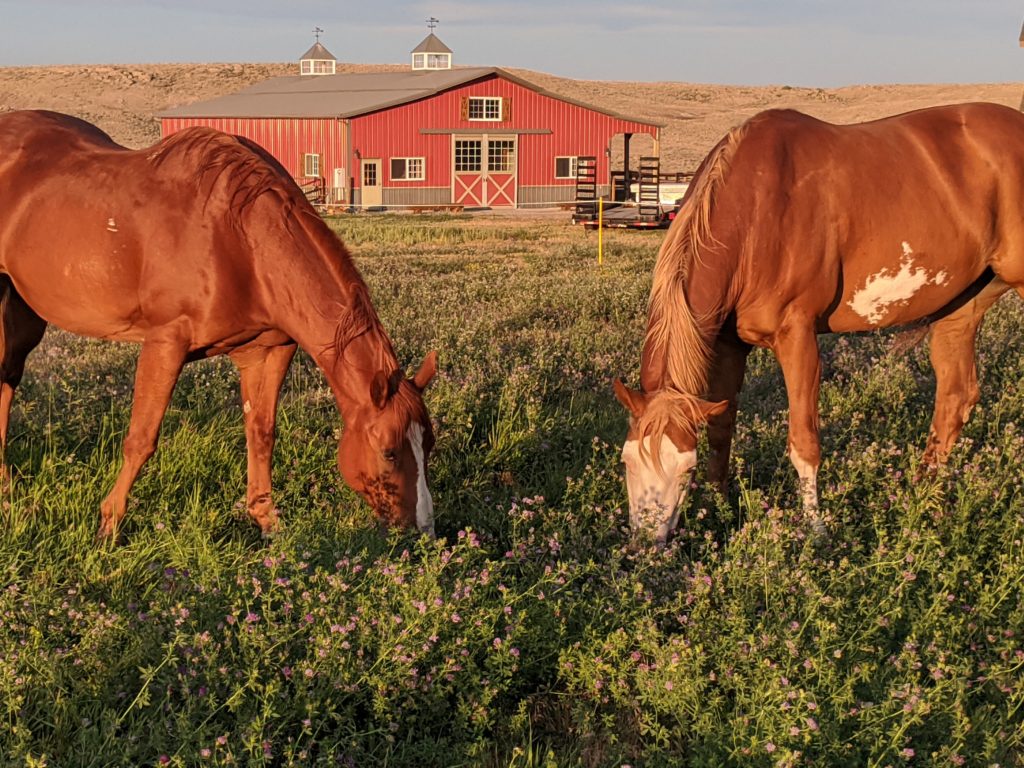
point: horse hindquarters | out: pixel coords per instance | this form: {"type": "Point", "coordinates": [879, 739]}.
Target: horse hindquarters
{"type": "Point", "coordinates": [21, 330]}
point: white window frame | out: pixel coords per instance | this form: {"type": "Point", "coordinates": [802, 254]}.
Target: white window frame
{"type": "Point", "coordinates": [318, 67]}
{"type": "Point", "coordinates": [311, 165]}
{"type": "Point", "coordinates": [420, 161]}
{"type": "Point", "coordinates": [573, 163]}
{"type": "Point", "coordinates": [439, 61]}
{"type": "Point", "coordinates": [431, 61]}
{"type": "Point", "coordinates": [468, 155]}
{"type": "Point", "coordinates": [484, 102]}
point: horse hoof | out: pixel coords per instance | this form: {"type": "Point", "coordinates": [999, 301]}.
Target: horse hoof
{"type": "Point", "coordinates": [107, 534]}
{"type": "Point", "coordinates": [270, 526]}
{"type": "Point", "coordinates": [819, 531]}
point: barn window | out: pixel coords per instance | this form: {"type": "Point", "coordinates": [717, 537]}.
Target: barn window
{"type": "Point", "coordinates": [431, 61]}
{"type": "Point", "coordinates": [467, 154]}
{"type": "Point", "coordinates": [311, 166]}
{"type": "Point", "coordinates": [501, 155]}
{"type": "Point", "coordinates": [370, 173]}
{"type": "Point", "coordinates": [407, 168]}
{"type": "Point", "coordinates": [317, 67]}
{"type": "Point", "coordinates": [565, 167]}
{"type": "Point", "coordinates": [484, 108]}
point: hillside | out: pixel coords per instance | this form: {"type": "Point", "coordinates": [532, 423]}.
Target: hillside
{"type": "Point", "coordinates": [122, 99]}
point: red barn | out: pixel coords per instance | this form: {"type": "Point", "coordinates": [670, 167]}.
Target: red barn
{"type": "Point", "coordinates": [431, 135]}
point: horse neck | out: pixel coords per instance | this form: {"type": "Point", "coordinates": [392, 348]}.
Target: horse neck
{"type": "Point", "coordinates": [324, 305]}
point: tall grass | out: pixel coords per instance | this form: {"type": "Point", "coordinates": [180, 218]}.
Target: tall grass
{"type": "Point", "coordinates": [531, 633]}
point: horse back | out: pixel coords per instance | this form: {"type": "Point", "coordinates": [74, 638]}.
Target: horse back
{"type": "Point", "coordinates": [873, 224]}
{"type": "Point", "coordinates": [107, 241]}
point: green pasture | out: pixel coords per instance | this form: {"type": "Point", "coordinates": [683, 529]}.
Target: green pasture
{"type": "Point", "coordinates": [531, 633]}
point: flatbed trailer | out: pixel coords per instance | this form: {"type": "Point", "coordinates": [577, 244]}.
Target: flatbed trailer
{"type": "Point", "coordinates": [657, 197]}
{"type": "Point", "coordinates": [624, 216]}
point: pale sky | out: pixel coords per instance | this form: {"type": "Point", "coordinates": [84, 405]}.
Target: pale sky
{"type": "Point", "coordinates": [823, 43]}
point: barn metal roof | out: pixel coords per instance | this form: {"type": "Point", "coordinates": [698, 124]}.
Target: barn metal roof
{"type": "Point", "coordinates": [352, 94]}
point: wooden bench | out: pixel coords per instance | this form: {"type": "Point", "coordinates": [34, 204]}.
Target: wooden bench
{"type": "Point", "coordinates": [449, 208]}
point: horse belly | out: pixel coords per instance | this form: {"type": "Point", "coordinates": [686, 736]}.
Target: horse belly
{"type": "Point", "coordinates": [901, 291]}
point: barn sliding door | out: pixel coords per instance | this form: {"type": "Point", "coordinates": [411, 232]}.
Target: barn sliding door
{"type": "Point", "coordinates": [484, 172]}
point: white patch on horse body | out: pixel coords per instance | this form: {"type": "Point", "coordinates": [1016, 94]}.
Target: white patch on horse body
{"type": "Point", "coordinates": [111, 225]}
{"type": "Point", "coordinates": [424, 501]}
{"type": "Point", "coordinates": [886, 288]}
{"type": "Point", "coordinates": [247, 407]}
{"type": "Point", "coordinates": [655, 497]}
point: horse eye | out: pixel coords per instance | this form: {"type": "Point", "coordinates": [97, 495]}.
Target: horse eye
{"type": "Point", "coordinates": [390, 456]}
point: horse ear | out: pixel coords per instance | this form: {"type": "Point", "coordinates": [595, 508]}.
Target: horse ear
{"type": "Point", "coordinates": [428, 368]}
{"type": "Point", "coordinates": [709, 410]}
{"type": "Point", "coordinates": [380, 389]}
{"type": "Point", "coordinates": [633, 401]}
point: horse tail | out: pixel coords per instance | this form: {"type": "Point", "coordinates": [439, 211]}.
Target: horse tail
{"type": "Point", "coordinates": [673, 330]}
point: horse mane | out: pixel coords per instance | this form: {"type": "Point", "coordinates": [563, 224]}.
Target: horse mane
{"type": "Point", "coordinates": [210, 156]}
{"type": "Point", "coordinates": [667, 406]}
{"type": "Point", "coordinates": [672, 328]}
{"type": "Point", "coordinates": [359, 318]}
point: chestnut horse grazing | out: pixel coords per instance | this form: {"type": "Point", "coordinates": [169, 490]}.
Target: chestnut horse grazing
{"type": "Point", "coordinates": [795, 227]}
{"type": "Point", "coordinates": [198, 246]}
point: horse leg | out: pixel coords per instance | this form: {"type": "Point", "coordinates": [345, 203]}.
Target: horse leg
{"type": "Point", "coordinates": [728, 366]}
{"type": "Point", "coordinates": [796, 347]}
{"type": "Point", "coordinates": [160, 363]}
{"type": "Point", "coordinates": [952, 349]}
{"type": "Point", "coordinates": [21, 330]}
{"type": "Point", "coordinates": [262, 371]}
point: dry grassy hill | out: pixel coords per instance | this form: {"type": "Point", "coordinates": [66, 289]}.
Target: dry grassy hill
{"type": "Point", "coordinates": [122, 99]}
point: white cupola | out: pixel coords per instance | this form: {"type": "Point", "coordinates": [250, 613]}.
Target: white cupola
{"type": "Point", "coordinates": [431, 54]}
{"type": "Point", "coordinates": [317, 60]}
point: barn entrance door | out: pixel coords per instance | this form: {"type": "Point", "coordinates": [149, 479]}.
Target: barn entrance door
{"type": "Point", "coordinates": [485, 170]}
{"type": "Point", "coordinates": [372, 191]}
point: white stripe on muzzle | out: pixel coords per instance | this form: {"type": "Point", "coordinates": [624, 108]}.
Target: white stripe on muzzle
{"type": "Point", "coordinates": [424, 501]}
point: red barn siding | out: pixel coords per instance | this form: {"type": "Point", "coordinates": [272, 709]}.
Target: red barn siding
{"type": "Point", "coordinates": [287, 139]}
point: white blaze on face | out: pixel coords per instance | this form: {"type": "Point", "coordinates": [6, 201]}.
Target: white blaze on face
{"type": "Point", "coordinates": [424, 501]}
{"type": "Point", "coordinates": [655, 497]}
{"type": "Point", "coordinates": [886, 288]}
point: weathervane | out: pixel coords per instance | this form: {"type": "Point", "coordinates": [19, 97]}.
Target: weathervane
{"type": "Point", "coordinates": [431, 23]}
{"type": "Point", "coordinates": [316, 32]}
